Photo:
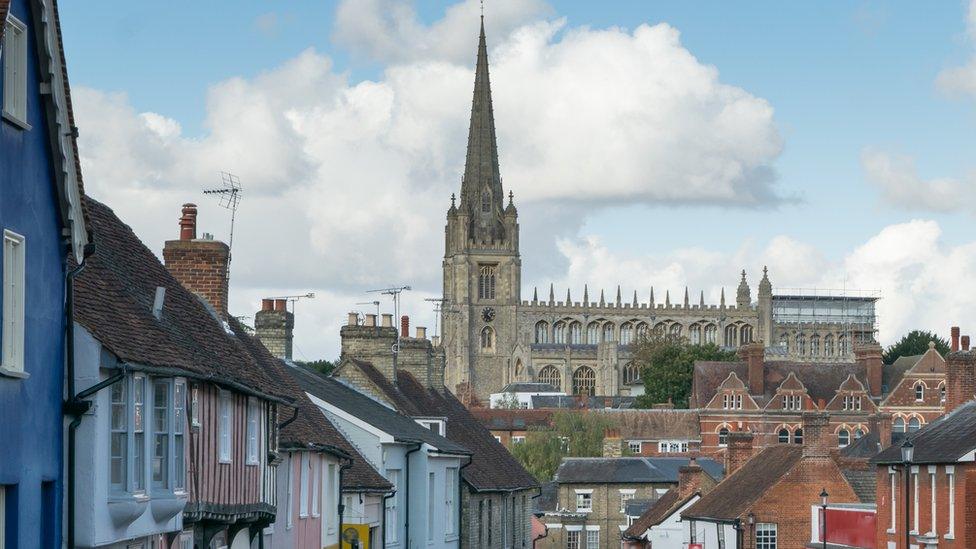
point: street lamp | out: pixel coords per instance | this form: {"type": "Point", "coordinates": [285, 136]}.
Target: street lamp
{"type": "Point", "coordinates": [907, 453]}
{"type": "Point", "coordinates": [823, 517]}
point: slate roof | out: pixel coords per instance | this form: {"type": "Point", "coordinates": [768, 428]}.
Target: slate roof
{"type": "Point", "coordinates": [114, 297]}
{"type": "Point", "coordinates": [944, 440]}
{"type": "Point", "coordinates": [492, 467]}
{"type": "Point", "coordinates": [311, 428]}
{"type": "Point", "coordinates": [638, 506]}
{"type": "Point", "coordinates": [403, 428]}
{"type": "Point", "coordinates": [731, 497]}
{"type": "Point", "coordinates": [657, 513]}
{"type": "Point", "coordinates": [892, 373]}
{"type": "Point", "coordinates": [628, 470]}
{"type": "Point", "coordinates": [548, 499]}
{"type": "Point", "coordinates": [865, 447]}
{"type": "Point", "coordinates": [503, 419]}
{"type": "Point", "coordinates": [864, 484]}
{"type": "Point", "coordinates": [821, 379]}
{"type": "Point", "coordinates": [529, 388]}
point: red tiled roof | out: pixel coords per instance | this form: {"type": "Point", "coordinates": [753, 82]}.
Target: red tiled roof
{"type": "Point", "coordinates": [820, 379]}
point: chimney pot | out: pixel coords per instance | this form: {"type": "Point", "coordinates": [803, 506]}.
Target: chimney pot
{"type": "Point", "coordinates": [371, 320]}
{"type": "Point", "coordinates": [352, 319]}
{"type": "Point", "coordinates": [405, 326]}
{"type": "Point", "coordinates": [387, 320]}
{"type": "Point", "coordinates": [435, 340]}
{"type": "Point", "coordinates": [188, 222]}
{"type": "Point", "coordinates": [965, 343]}
{"type": "Point", "coordinates": [421, 332]}
{"type": "Point", "coordinates": [280, 304]}
{"type": "Point", "coordinates": [954, 331]}
{"type": "Point", "coordinates": [267, 304]}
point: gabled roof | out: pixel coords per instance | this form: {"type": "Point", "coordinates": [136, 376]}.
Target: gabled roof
{"type": "Point", "coordinates": [657, 513]}
{"type": "Point", "coordinates": [628, 470]}
{"type": "Point", "coordinates": [945, 440]}
{"type": "Point", "coordinates": [740, 490]}
{"type": "Point", "coordinates": [820, 379]}
{"type": "Point", "coordinates": [401, 427]}
{"type": "Point", "coordinates": [492, 467]}
{"type": "Point", "coordinates": [310, 428]}
{"type": "Point", "coordinates": [114, 297]}
{"type": "Point", "coordinates": [864, 483]}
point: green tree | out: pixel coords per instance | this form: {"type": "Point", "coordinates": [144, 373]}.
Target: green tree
{"type": "Point", "coordinates": [322, 366]}
{"type": "Point", "coordinates": [915, 342]}
{"type": "Point", "coordinates": [667, 364]}
{"type": "Point", "coordinates": [573, 434]}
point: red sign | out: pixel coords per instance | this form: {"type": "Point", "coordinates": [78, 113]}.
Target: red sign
{"type": "Point", "coordinates": [851, 527]}
{"type": "Point", "coordinates": [695, 546]}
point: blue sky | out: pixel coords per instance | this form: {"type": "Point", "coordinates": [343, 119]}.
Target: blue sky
{"type": "Point", "coordinates": [841, 77]}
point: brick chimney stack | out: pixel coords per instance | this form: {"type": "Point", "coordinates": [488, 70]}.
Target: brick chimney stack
{"type": "Point", "coordinates": [753, 355]}
{"type": "Point", "coordinates": [404, 326]}
{"type": "Point", "coordinates": [881, 423]}
{"type": "Point", "coordinates": [868, 356]}
{"type": "Point", "coordinates": [613, 444]}
{"type": "Point", "coordinates": [816, 435]}
{"type": "Point", "coordinates": [199, 264]}
{"type": "Point", "coordinates": [954, 336]}
{"type": "Point", "coordinates": [960, 379]}
{"type": "Point", "coordinates": [274, 327]}
{"type": "Point", "coordinates": [371, 343]}
{"type": "Point", "coordinates": [738, 451]}
{"type": "Point", "coordinates": [692, 478]}
{"type": "Point", "coordinates": [965, 342]}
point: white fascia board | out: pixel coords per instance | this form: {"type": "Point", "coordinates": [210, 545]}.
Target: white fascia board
{"type": "Point", "coordinates": [383, 436]}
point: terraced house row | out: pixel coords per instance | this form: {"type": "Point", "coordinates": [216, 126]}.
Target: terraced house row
{"type": "Point", "coordinates": [139, 412]}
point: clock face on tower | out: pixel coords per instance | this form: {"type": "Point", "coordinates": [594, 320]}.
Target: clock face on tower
{"type": "Point", "coordinates": [488, 314]}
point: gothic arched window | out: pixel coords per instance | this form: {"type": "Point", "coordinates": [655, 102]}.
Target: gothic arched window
{"type": "Point", "coordinates": [746, 334]}
{"type": "Point", "coordinates": [784, 436]}
{"type": "Point", "coordinates": [592, 333]}
{"type": "Point", "coordinates": [487, 338]}
{"type": "Point", "coordinates": [842, 346]}
{"type": "Point", "coordinates": [801, 345]}
{"type": "Point", "coordinates": [828, 345]}
{"type": "Point", "coordinates": [660, 329]}
{"type": "Point", "coordinates": [626, 333]}
{"type": "Point", "coordinates": [608, 334]}
{"type": "Point", "coordinates": [731, 336]}
{"type": "Point", "coordinates": [815, 345]}
{"type": "Point", "coordinates": [784, 342]}
{"type": "Point", "coordinates": [631, 373]}
{"type": "Point", "coordinates": [642, 331]}
{"type": "Point", "coordinates": [675, 330]}
{"type": "Point", "coordinates": [542, 332]}
{"type": "Point", "coordinates": [576, 333]}
{"type": "Point", "coordinates": [559, 332]}
{"type": "Point", "coordinates": [711, 331]}
{"type": "Point", "coordinates": [486, 282]}
{"type": "Point", "coordinates": [584, 381]}
{"type": "Point", "coordinates": [694, 334]}
{"type": "Point", "coordinates": [550, 374]}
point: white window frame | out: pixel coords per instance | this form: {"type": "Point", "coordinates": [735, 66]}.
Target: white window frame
{"type": "Point", "coordinates": [140, 465]}
{"type": "Point", "coordinates": [518, 439]}
{"type": "Point", "coordinates": [195, 406]}
{"type": "Point", "coordinates": [767, 528]}
{"type": "Point", "coordinates": [894, 500]}
{"type": "Point", "coordinates": [915, 499]}
{"type": "Point", "coordinates": [634, 446]}
{"type": "Point", "coordinates": [14, 309]}
{"type": "Point", "coordinates": [179, 435]}
{"type": "Point", "coordinates": [317, 483]}
{"type": "Point", "coordinates": [225, 426]}
{"type": "Point", "coordinates": [14, 60]}
{"type": "Point", "coordinates": [932, 471]}
{"type": "Point", "coordinates": [164, 430]}
{"type": "Point", "coordinates": [290, 491]}
{"type": "Point", "coordinates": [253, 425]}
{"type": "Point", "coordinates": [626, 494]}
{"type": "Point", "coordinates": [587, 497]}
{"type": "Point", "coordinates": [334, 488]}
{"type": "Point", "coordinates": [592, 537]}
{"type": "Point", "coordinates": [951, 474]}
{"type": "Point", "coordinates": [431, 505]}
{"type": "Point", "coordinates": [123, 432]}
{"type": "Point", "coordinates": [303, 487]}
{"type": "Point", "coordinates": [450, 489]}
{"type": "Point", "coordinates": [392, 532]}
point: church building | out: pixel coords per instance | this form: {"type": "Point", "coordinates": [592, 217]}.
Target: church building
{"type": "Point", "coordinates": [493, 337]}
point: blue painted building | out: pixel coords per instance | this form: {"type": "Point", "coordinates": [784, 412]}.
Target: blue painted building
{"type": "Point", "coordinates": [42, 225]}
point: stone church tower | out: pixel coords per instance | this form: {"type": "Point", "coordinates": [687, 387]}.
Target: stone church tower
{"type": "Point", "coordinates": [482, 268]}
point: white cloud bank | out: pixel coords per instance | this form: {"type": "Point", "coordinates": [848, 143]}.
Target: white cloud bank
{"type": "Point", "coordinates": [901, 186]}
{"type": "Point", "coordinates": [962, 80]}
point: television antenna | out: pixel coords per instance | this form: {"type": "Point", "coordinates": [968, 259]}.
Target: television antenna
{"type": "Point", "coordinates": [394, 292]}
{"type": "Point", "coordinates": [374, 303]}
{"type": "Point", "coordinates": [438, 307]}
{"type": "Point", "coordinates": [229, 196]}
{"type": "Point", "coordinates": [292, 299]}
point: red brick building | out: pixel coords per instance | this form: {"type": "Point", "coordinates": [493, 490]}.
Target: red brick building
{"type": "Point", "coordinates": [938, 490]}
{"type": "Point", "coordinates": [766, 500]}
{"type": "Point", "coordinates": [768, 398]}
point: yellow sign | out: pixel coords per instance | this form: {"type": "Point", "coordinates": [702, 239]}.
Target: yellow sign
{"type": "Point", "coordinates": [355, 536]}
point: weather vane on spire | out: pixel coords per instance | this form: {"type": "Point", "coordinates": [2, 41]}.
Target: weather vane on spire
{"type": "Point", "coordinates": [482, 9]}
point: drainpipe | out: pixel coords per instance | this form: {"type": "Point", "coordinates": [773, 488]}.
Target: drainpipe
{"type": "Point", "coordinates": [383, 525]}
{"type": "Point", "coordinates": [347, 464]}
{"type": "Point", "coordinates": [406, 489]}
{"type": "Point", "coordinates": [71, 406]}
{"type": "Point", "coordinates": [460, 498]}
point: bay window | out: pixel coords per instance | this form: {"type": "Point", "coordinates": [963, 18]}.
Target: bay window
{"type": "Point", "coordinates": [161, 407]}
{"type": "Point", "coordinates": [179, 420]}
{"type": "Point", "coordinates": [139, 432]}
{"type": "Point", "coordinates": [120, 435]}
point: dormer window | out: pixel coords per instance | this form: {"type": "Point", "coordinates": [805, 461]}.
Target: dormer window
{"type": "Point", "coordinates": [435, 425]}
{"type": "Point", "coordinates": [792, 402]}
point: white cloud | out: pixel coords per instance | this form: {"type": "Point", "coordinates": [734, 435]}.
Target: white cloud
{"type": "Point", "coordinates": [346, 183]}
{"type": "Point", "coordinates": [900, 184]}
{"type": "Point", "coordinates": [921, 280]}
{"type": "Point", "coordinates": [962, 80]}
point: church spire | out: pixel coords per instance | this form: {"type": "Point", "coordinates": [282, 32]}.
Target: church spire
{"type": "Point", "coordinates": [481, 188]}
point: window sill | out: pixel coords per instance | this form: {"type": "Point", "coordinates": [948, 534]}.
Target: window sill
{"type": "Point", "coordinates": [16, 374]}
{"type": "Point", "coordinates": [890, 531]}
{"type": "Point", "coordinates": [16, 121]}
{"type": "Point", "coordinates": [949, 536]}
{"type": "Point", "coordinates": [224, 462]}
